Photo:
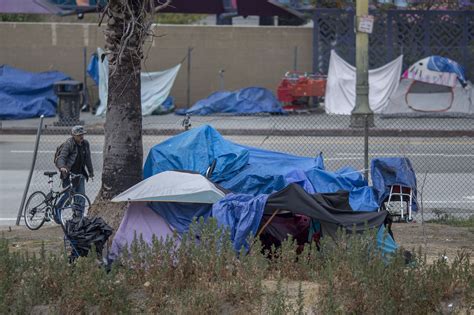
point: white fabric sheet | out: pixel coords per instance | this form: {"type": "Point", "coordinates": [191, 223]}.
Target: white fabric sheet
{"type": "Point", "coordinates": [156, 86]}
{"type": "Point", "coordinates": [340, 88]}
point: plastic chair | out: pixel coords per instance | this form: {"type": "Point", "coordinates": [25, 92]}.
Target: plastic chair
{"type": "Point", "coordinates": [403, 194]}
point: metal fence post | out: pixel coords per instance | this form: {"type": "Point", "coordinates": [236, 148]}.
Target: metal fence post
{"type": "Point", "coordinates": [366, 147]}
{"type": "Point", "coordinates": [33, 162]}
{"type": "Point", "coordinates": [295, 59]}
{"type": "Point", "coordinates": [188, 88]}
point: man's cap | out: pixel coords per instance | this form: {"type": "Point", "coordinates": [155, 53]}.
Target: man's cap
{"type": "Point", "coordinates": [78, 130]}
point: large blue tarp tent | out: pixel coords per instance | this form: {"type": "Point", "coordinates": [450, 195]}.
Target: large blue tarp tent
{"type": "Point", "coordinates": [249, 170]}
{"type": "Point", "coordinates": [260, 181]}
{"type": "Point", "coordinates": [26, 95]}
{"type": "Point", "coordinates": [251, 100]}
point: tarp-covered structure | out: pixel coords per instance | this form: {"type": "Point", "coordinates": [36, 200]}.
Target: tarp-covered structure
{"type": "Point", "coordinates": [389, 171]}
{"type": "Point", "coordinates": [250, 100]}
{"type": "Point", "coordinates": [257, 183]}
{"type": "Point", "coordinates": [26, 94]}
{"type": "Point", "coordinates": [432, 87]}
{"type": "Point", "coordinates": [155, 86]}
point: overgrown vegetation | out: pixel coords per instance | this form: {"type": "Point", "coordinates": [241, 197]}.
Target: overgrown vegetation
{"type": "Point", "coordinates": [446, 218]}
{"type": "Point", "coordinates": [20, 17]}
{"type": "Point", "coordinates": [204, 275]}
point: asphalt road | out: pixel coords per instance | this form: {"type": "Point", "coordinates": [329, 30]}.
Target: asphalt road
{"type": "Point", "coordinates": [444, 167]}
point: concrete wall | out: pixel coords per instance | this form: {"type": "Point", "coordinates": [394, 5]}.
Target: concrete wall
{"type": "Point", "coordinates": [251, 56]}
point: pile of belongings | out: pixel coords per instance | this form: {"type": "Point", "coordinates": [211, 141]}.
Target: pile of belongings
{"type": "Point", "coordinates": [82, 233]}
{"type": "Point", "coordinates": [244, 188]}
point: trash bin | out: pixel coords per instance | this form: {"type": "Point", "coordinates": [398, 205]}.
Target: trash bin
{"type": "Point", "coordinates": [69, 94]}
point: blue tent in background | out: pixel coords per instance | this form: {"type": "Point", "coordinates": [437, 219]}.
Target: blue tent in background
{"type": "Point", "coordinates": [251, 100]}
{"type": "Point", "coordinates": [26, 94]}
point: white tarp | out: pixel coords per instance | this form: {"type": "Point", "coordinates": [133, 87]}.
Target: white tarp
{"type": "Point", "coordinates": [173, 186]}
{"type": "Point", "coordinates": [156, 86]}
{"type": "Point", "coordinates": [340, 88]}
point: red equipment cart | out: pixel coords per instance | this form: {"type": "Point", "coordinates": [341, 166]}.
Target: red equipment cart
{"type": "Point", "coordinates": [296, 90]}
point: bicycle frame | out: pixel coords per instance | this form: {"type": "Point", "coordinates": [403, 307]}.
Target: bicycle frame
{"type": "Point", "coordinates": [53, 197]}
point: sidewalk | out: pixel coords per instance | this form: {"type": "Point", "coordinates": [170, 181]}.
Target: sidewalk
{"type": "Point", "coordinates": [289, 125]}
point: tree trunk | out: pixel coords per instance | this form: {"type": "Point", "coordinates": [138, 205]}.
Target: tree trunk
{"type": "Point", "coordinates": [123, 149]}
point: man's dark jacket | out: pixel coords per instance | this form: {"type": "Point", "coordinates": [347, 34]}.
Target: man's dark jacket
{"type": "Point", "coordinates": [69, 153]}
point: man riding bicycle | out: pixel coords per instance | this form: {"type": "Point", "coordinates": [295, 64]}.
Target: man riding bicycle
{"type": "Point", "coordinates": [75, 157]}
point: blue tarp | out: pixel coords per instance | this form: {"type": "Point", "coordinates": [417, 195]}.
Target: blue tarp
{"type": "Point", "coordinates": [26, 95]}
{"type": "Point", "coordinates": [248, 170]}
{"type": "Point", "coordinates": [251, 174]}
{"type": "Point", "coordinates": [249, 100]}
{"type": "Point", "coordinates": [181, 215]}
{"type": "Point", "coordinates": [195, 150]}
{"type": "Point", "coordinates": [386, 172]}
{"type": "Point", "coordinates": [443, 64]}
{"type": "Point", "coordinates": [93, 68]}
{"type": "Point", "coordinates": [241, 214]}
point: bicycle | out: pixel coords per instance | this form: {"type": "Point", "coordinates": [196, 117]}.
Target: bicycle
{"type": "Point", "coordinates": [41, 207]}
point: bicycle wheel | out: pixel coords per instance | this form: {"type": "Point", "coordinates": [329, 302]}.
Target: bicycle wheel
{"type": "Point", "coordinates": [77, 205]}
{"type": "Point", "coordinates": [35, 210]}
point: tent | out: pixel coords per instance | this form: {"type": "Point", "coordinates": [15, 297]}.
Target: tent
{"type": "Point", "coordinates": [155, 86]}
{"type": "Point", "coordinates": [341, 85]}
{"type": "Point", "coordinates": [173, 186]}
{"type": "Point", "coordinates": [432, 87]}
{"type": "Point", "coordinates": [260, 182]}
{"type": "Point", "coordinates": [26, 94]}
{"type": "Point", "coordinates": [249, 100]}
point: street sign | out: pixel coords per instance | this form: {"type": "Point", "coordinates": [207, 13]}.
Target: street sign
{"type": "Point", "coordinates": [366, 24]}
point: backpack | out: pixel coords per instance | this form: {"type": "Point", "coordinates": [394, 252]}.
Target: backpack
{"type": "Point", "coordinates": [57, 153]}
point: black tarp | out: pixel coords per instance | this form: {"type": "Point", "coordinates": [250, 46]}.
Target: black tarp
{"type": "Point", "coordinates": [82, 233]}
{"type": "Point", "coordinates": [332, 210]}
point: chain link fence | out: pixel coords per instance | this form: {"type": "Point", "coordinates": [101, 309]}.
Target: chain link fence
{"type": "Point", "coordinates": [441, 150]}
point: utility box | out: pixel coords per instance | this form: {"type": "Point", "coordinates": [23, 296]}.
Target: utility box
{"type": "Point", "coordinates": [69, 94]}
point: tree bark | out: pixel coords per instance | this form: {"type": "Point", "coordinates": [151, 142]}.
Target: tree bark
{"type": "Point", "coordinates": [123, 149]}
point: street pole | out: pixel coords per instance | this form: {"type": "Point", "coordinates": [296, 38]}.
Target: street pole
{"type": "Point", "coordinates": [362, 115]}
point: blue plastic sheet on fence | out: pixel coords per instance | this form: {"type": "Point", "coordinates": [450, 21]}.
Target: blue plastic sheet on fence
{"type": "Point", "coordinates": [26, 94]}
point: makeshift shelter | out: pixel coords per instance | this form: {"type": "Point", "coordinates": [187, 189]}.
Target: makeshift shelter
{"type": "Point", "coordinates": [261, 182]}
{"type": "Point", "coordinates": [155, 86]}
{"type": "Point", "coordinates": [163, 205]}
{"type": "Point", "coordinates": [341, 85]}
{"type": "Point", "coordinates": [432, 87]}
{"type": "Point", "coordinates": [253, 171]}
{"type": "Point", "coordinates": [26, 94]}
{"type": "Point", "coordinates": [249, 100]}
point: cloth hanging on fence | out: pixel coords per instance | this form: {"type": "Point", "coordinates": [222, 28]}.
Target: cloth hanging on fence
{"type": "Point", "coordinates": [340, 88]}
{"type": "Point", "coordinates": [155, 88]}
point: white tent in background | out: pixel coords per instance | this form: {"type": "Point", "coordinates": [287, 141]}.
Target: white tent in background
{"type": "Point", "coordinates": [155, 88]}
{"type": "Point", "coordinates": [432, 92]}
{"type": "Point", "coordinates": [341, 83]}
